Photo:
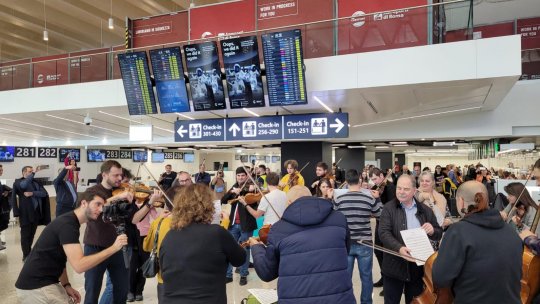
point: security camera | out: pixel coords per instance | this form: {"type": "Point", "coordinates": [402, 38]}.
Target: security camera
{"type": "Point", "coordinates": [87, 120]}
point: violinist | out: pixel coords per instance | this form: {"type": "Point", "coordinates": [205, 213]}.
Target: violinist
{"type": "Point", "coordinates": [100, 235]}
{"type": "Point", "coordinates": [167, 178]}
{"type": "Point", "coordinates": [277, 198]}
{"type": "Point", "coordinates": [261, 177]}
{"type": "Point", "coordinates": [523, 213]}
{"type": "Point", "coordinates": [480, 257]}
{"type": "Point", "coordinates": [292, 178]}
{"type": "Point", "coordinates": [321, 171]}
{"type": "Point", "coordinates": [242, 222]}
{"type": "Point", "coordinates": [383, 192]}
{"type": "Point", "coordinates": [402, 275]}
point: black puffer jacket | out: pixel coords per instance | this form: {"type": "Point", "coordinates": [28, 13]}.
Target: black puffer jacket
{"type": "Point", "coordinates": [392, 221]}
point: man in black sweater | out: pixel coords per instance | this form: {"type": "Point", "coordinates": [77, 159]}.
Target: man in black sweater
{"type": "Point", "coordinates": [480, 257]}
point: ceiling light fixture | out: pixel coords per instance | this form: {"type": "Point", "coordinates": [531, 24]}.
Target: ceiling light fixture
{"type": "Point", "coordinates": [443, 143]}
{"type": "Point", "coordinates": [381, 147]}
{"type": "Point", "coordinates": [82, 123]}
{"type": "Point", "coordinates": [356, 147]}
{"type": "Point", "coordinates": [50, 128]}
{"type": "Point", "coordinates": [45, 32]}
{"type": "Point", "coordinates": [398, 142]}
{"type": "Point", "coordinates": [413, 117]}
{"type": "Point", "coordinates": [137, 122]}
{"type": "Point", "coordinates": [251, 112]}
{"type": "Point", "coordinates": [323, 104]}
{"type": "Point", "coordinates": [111, 20]}
{"type": "Point", "coordinates": [185, 116]}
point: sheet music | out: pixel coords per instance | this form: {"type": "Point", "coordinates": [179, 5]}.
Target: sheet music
{"type": "Point", "coordinates": [417, 241]}
{"type": "Point", "coordinates": [265, 296]}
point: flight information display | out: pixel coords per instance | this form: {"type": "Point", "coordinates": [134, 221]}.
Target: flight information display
{"type": "Point", "coordinates": [137, 83]}
{"type": "Point", "coordinates": [243, 72]}
{"type": "Point", "coordinates": [170, 84]}
{"type": "Point", "coordinates": [202, 64]}
{"type": "Point", "coordinates": [284, 65]}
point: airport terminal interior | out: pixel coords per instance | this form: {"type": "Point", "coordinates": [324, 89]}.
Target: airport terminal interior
{"type": "Point", "coordinates": [239, 84]}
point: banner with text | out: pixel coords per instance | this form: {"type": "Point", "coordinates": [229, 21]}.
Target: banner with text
{"type": "Point", "coordinates": [50, 70]}
{"type": "Point", "coordinates": [307, 126]}
{"type": "Point", "coordinates": [317, 38]}
{"type": "Point", "coordinates": [222, 20]}
{"type": "Point", "coordinates": [160, 29]}
{"type": "Point", "coordinates": [381, 31]}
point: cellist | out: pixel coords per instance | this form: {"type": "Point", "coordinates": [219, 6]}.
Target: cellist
{"type": "Point", "coordinates": [531, 239]}
{"type": "Point", "coordinates": [292, 178]}
{"type": "Point", "coordinates": [480, 257]}
{"type": "Point", "coordinates": [242, 223]}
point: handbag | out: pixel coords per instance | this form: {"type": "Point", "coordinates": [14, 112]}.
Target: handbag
{"type": "Point", "coordinates": [151, 266]}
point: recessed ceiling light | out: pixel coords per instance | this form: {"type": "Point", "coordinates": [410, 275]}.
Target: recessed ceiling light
{"type": "Point", "coordinates": [323, 104]}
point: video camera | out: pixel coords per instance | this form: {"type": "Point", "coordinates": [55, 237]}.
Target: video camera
{"type": "Point", "coordinates": [118, 214]}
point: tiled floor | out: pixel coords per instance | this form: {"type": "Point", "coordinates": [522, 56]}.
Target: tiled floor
{"type": "Point", "coordinates": [10, 265]}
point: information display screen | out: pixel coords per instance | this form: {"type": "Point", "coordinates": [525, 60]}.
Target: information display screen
{"type": "Point", "coordinates": [96, 155]}
{"type": "Point", "coordinates": [170, 83]}
{"type": "Point", "coordinates": [7, 154]}
{"type": "Point", "coordinates": [158, 157]}
{"type": "Point", "coordinates": [73, 154]}
{"type": "Point", "coordinates": [284, 65]}
{"type": "Point", "coordinates": [243, 72]}
{"type": "Point", "coordinates": [137, 83]}
{"type": "Point", "coordinates": [140, 156]}
{"type": "Point", "coordinates": [204, 72]}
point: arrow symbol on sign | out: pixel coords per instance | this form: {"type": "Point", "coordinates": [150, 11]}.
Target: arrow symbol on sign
{"type": "Point", "coordinates": [234, 128]}
{"type": "Point", "coordinates": [338, 125]}
{"type": "Point", "coordinates": [181, 131]}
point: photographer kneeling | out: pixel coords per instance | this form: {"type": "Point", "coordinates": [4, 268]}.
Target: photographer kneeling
{"type": "Point", "coordinates": [99, 235]}
{"type": "Point", "coordinates": [43, 278]}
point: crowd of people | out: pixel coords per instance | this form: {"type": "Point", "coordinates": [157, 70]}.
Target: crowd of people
{"type": "Point", "coordinates": [312, 234]}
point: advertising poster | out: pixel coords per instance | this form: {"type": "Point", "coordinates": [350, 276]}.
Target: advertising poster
{"type": "Point", "coordinates": [243, 72]}
{"type": "Point", "coordinates": [204, 75]}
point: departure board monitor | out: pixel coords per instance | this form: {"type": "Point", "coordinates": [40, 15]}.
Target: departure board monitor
{"type": "Point", "coordinates": [243, 72]}
{"type": "Point", "coordinates": [137, 83]}
{"type": "Point", "coordinates": [204, 72]}
{"type": "Point", "coordinates": [170, 84]}
{"type": "Point", "coordinates": [284, 65]}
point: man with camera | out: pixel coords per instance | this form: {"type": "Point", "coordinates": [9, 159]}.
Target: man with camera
{"type": "Point", "coordinates": [33, 207]}
{"type": "Point", "coordinates": [100, 235]}
{"type": "Point", "coordinates": [43, 277]}
{"type": "Point", "coordinates": [66, 195]}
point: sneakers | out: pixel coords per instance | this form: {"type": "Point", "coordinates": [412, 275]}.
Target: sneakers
{"type": "Point", "coordinates": [243, 281]}
{"type": "Point", "coordinates": [379, 283]}
{"type": "Point", "coordinates": [130, 297]}
{"type": "Point", "coordinates": [139, 297]}
{"type": "Point", "coordinates": [228, 280]}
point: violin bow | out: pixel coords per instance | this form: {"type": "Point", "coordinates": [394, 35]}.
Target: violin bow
{"type": "Point", "coordinates": [307, 164]}
{"type": "Point", "coordinates": [380, 248]}
{"type": "Point", "coordinates": [167, 199]}
{"type": "Point", "coordinates": [260, 191]}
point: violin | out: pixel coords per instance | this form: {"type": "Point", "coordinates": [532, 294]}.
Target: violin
{"type": "Point", "coordinates": [249, 198]}
{"type": "Point", "coordinates": [263, 236]}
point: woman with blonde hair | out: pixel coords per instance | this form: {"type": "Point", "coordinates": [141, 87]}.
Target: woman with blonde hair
{"type": "Point", "coordinates": [195, 254]}
{"type": "Point", "coordinates": [429, 196]}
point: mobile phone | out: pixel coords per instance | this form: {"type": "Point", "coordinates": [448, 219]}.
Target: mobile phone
{"type": "Point", "coordinates": [78, 169]}
{"type": "Point", "coordinates": [43, 167]}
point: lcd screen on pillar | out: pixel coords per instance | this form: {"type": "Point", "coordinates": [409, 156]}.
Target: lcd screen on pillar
{"type": "Point", "coordinates": [170, 83]}
{"type": "Point", "coordinates": [284, 65]}
{"type": "Point", "coordinates": [243, 72]}
{"type": "Point", "coordinates": [204, 72]}
{"type": "Point", "coordinates": [137, 83]}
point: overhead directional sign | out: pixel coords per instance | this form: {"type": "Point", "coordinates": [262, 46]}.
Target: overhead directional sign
{"type": "Point", "coordinates": [328, 125]}
{"type": "Point", "coordinates": [199, 130]}
{"type": "Point", "coordinates": [308, 126]}
{"type": "Point", "coordinates": [254, 128]}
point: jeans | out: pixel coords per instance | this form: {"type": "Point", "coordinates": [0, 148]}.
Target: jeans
{"type": "Point", "coordinates": [107, 295]}
{"type": "Point", "coordinates": [117, 273]}
{"type": "Point", "coordinates": [240, 236]}
{"type": "Point", "coordinates": [364, 257]}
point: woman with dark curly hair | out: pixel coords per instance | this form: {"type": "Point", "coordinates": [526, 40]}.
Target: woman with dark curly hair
{"type": "Point", "coordinates": [194, 255]}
